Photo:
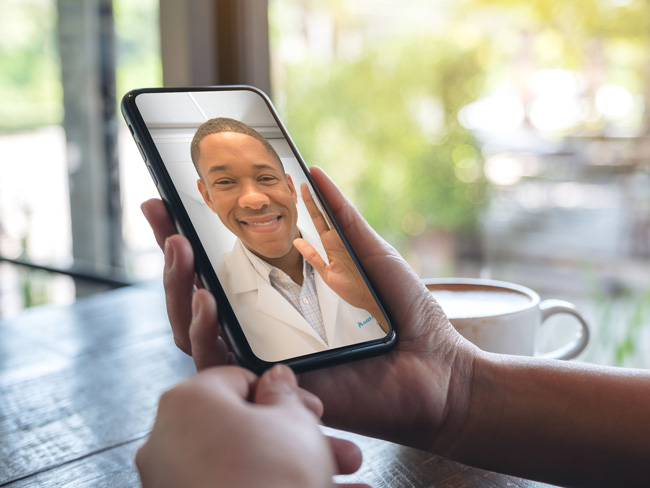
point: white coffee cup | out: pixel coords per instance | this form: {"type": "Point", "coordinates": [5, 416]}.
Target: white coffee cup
{"type": "Point", "coordinates": [504, 317]}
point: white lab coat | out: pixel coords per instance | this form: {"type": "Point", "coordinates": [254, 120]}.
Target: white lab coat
{"type": "Point", "coordinates": [274, 328]}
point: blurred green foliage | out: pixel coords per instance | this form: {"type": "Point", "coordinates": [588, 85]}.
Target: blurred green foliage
{"type": "Point", "coordinates": [618, 303]}
{"type": "Point", "coordinates": [385, 122]}
{"type": "Point", "coordinates": [30, 87]}
{"type": "Point", "coordinates": [386, 125]}
{"type": "Point", "coordinates": [577, 19]}
{"type": "Point", "coordinates": [138, 45]}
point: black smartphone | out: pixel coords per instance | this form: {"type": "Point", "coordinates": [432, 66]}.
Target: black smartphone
{"type": "Point", "coordinates": [288, 286]}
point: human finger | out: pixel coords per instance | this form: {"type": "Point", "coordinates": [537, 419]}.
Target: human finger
{"type": "Point", "coordinates": [186, 430]}
{"type": "Point", "coordinates": [316, 215]}
{"type": "Point", "coordinates": [226, 380]}
{"type": "Point", "coordinates": [347, 455]}
{"type": "Point", "coordinates": [156, 214]}
{"type": "Point", "coordinates": [208, 348]}
{"type": "Point", "coordinates": [311, 255]}
{"type": "Point", "coordinates": [179, 284]}
{"type": "Point", "coordinates": [179, 278]}
{"type": "Point", "coordinates": [347, 216]}
{"type": "Point", "coordinates": [279, 385]}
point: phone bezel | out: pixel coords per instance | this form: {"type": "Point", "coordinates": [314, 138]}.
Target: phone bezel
{"type": "Point", "coordinates": [230, 325]}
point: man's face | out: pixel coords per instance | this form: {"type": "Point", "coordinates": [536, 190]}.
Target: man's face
{"type": "Point", "coordinates": [246, 187]}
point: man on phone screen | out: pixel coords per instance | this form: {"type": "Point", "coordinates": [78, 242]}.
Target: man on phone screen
{"type": "Point", "coordinates": [285, 306]}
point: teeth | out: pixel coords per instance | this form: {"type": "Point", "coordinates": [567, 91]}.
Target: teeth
{"type": "Point", "coordinates": [261, 224]}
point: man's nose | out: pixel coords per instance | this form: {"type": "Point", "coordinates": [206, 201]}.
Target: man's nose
{"type": "Point", "coordinates": [253, 197]}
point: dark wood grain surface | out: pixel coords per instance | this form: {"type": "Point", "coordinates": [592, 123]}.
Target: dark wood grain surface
{"type": "Point", "coordinates": [79, 387]}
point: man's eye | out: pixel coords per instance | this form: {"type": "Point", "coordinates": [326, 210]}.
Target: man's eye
{"type": "Point", "coordinates": [267, 179]}
{"type": "Point", "coordinates": [223, 183]}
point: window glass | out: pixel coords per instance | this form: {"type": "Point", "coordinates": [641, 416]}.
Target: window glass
{"type": "Point", "coordinates": [506, 140]}
{"type": "Point", "coordinates": [35, 222]}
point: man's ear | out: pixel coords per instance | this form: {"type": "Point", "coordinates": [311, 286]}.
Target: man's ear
{"type": "Point", "coordinates": [292, 188]}
{"type": "Point", "coordinates": [205, 194]}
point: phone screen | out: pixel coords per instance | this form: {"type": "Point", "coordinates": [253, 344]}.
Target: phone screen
{"type": "Point", "coordinates": [287, 272]}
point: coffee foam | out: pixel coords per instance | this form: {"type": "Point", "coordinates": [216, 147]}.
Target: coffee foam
{"type": "Point", "coordinates": [477, 302]}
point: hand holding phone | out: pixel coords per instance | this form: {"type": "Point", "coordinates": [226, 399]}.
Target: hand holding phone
{"type": "Point", "coordinates": [399, 396]}
{"type": "Point", "coordinates": [434, 390]}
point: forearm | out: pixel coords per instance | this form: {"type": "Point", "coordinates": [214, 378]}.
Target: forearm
{"type": "Point", "coordinates": [565, 423]}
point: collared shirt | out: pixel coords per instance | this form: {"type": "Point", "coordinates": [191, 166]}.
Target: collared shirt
{"type": "Point", "coordinates": [303, 298]}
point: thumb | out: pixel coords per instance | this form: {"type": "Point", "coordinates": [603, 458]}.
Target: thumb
{"type": "Point", "coordinates": [279, 386]}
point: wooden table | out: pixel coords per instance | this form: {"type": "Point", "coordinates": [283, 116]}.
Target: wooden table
{"type": "Point", "coordinates": [79, 387]}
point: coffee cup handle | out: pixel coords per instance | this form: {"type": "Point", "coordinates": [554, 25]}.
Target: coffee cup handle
{"type": "Point", "coordinates": [574, 348]}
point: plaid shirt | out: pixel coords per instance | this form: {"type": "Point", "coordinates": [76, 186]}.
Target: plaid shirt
{"type": "Point", "coordinates": [303, 298]}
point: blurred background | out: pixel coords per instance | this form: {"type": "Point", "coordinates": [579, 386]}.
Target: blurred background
{"type": "Point", "coordinates": [503, 139]}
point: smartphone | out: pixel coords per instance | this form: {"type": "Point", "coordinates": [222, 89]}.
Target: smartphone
{"type": "Point", "coordinates": [288, 285]}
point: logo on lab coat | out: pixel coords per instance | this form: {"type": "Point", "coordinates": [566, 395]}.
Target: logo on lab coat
{"type": "Point", "coordinates": [361, 324]}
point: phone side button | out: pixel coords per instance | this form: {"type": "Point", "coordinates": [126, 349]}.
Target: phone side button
{"type": "Point", "coordinates": [141, 151]}
{"type": "Point", "coordinates": [153, 176]}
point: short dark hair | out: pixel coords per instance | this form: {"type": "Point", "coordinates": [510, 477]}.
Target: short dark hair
{"type": "Point", "coordinates": [224, 124]}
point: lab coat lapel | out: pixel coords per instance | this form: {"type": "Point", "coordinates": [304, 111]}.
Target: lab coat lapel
{"type": "Point", "coordinates": [243, 277]}
{"type": "Point", "coordinates": [270, 302]}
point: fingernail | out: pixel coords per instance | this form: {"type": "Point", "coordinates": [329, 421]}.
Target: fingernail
{"type": "Point", "coordinates": [282, 374]}
{"type": "Point", "coordinates": [169, 255]}
{"type": "Point", "coordinates": [196, 306]}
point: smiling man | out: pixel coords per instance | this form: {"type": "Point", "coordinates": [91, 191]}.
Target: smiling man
{"type": "Point", "coordinates": [285, 307]}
